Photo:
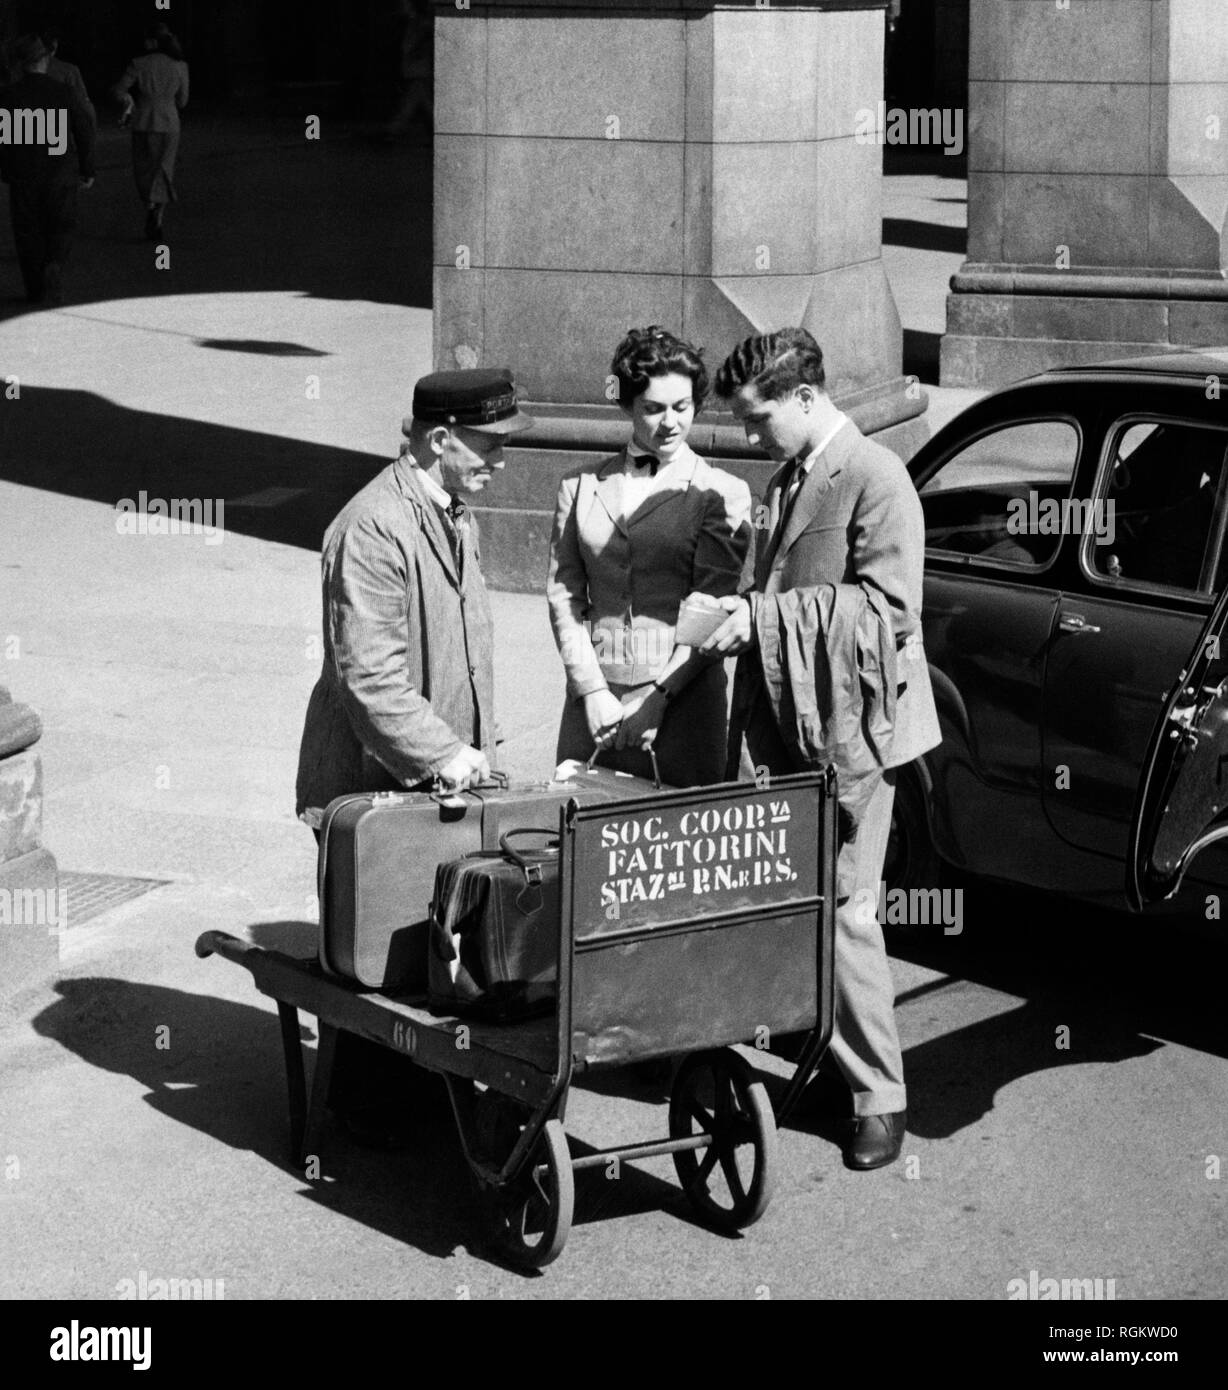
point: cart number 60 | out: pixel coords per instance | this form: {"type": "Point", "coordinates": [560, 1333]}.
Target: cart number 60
{"type": "Point", "coordinates": [404, 1037]}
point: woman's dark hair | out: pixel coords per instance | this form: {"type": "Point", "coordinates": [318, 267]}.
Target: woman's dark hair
{"type": "Point", "coordinates": [166, 42]}
{"type": "Point", "coordinates": [648, 352]}
{"type": "Point", "coordinates": [774, 363]}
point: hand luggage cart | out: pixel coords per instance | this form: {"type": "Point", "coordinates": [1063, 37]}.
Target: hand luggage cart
{"type": "Point", "coordinates": [692, 920]}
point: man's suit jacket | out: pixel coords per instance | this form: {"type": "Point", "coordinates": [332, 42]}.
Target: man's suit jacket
{"type": "Point", "coordinates": [857, 519]}
{"type": "Point", "coordinates": [408, 676]}
{"type": "Point", "coordinates": [70, 74]}
{"type": "Point", "coordinates": [615, 582]}
{"type": "Point", "coordinates": [37, 163]}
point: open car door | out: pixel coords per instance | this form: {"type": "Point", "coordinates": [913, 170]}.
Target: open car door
{"type": "Point", "coordinates": [1183, 790]}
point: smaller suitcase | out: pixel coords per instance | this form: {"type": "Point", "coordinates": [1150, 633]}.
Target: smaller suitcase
{"type": "Point", "coordinates": [495, 921]}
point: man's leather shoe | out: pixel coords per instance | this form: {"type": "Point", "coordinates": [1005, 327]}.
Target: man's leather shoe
{"type": "Point", "coordinates": [876, 1140]}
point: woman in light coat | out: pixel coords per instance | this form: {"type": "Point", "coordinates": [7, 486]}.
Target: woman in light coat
{"type": "Point", "coordinates": [634, 535]}
{"type": "Point", "coordinates": [153, 90]}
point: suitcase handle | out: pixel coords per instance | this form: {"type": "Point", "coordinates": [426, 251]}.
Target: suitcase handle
{"type": "Point", "coordinates": [496, 782]}
{"type": "Point", "coordinates": [652, 753]}
{"type": "Point", "coordinates": [532, 872]}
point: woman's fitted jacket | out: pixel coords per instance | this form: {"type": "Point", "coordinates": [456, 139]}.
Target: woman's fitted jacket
{"type": "Point", "coordinates": [614, 584]}
{"type": "Point", "coordinates": [159, 85]}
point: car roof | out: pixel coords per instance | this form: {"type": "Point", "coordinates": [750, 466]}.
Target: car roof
{"type": "Point", "coordinates": [1181, 362]}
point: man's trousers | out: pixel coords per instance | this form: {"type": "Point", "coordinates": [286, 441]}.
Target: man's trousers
{"type": "Point", "coordinates": [865, 1044]}
{"type": "Point", "coordinates": [44, 214]}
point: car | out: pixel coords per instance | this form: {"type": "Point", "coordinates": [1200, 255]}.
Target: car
{"type": "Point", "coordinates": [1076, 596]}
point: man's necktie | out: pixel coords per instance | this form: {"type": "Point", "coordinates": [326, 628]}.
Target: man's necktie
{"type": "Point", "coordinates": [458, 518]}
{"type": "Point", "coordinates": [790, 486]}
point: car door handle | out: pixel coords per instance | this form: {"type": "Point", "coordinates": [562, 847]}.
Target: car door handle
{"type": "Point", "coordinates": [1075, 622]}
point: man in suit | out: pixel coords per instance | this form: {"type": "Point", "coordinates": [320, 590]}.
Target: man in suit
{"type": "Point", "coordinates": [46, 149]}
{"type": "Point", "coordinates": [69, 73]}
{"type": "Point", "coordinates": [841, 510]}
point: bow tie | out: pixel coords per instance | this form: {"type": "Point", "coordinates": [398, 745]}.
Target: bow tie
{"type": "Point", "coordinates": [639, 460]}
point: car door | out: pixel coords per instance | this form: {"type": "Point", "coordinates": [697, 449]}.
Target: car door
{"type": "Point", "coordinates": [989, 607]}
{"type": "Point", "coordinates": [1151, 557]}
{"type": "Point", "coordinates": [1183, 785]}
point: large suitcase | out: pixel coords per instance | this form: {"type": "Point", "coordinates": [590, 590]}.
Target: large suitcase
{"type": "Point", "coordinates": [379, 852]}
{"type": "Point", "coordinates": [495, 922]}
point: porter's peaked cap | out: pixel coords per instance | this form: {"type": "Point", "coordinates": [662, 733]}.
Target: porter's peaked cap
{"type": "Point", "coordinates": [478, 398]}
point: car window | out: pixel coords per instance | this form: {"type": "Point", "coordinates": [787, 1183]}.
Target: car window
{"type": "Point", "coordinates": [1005, 498]}
{"type": "Point", "coordinates": [1162, 503]}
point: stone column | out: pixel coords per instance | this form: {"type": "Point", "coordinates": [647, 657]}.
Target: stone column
{"type": "Point", "coordinates": [601, 166]}
{"type": "Point", "coordinates": [1097, 185]}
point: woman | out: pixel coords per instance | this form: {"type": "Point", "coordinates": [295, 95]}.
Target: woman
{"type": "Point", "coordinates": [160, 79]}
{"type": "Point", "coordinates": [635, 535]}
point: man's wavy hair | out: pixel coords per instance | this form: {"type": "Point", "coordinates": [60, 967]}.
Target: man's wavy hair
{"type": "Point", "coordinates": [648, 352]}
{"type": "Point", "coordinates": [774, 363]}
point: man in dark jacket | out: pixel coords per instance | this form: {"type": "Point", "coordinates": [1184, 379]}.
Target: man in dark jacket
{"type": "Point", "coordinates": [46, 150]}
{"type": "Point", "coordinates": [59, 70]}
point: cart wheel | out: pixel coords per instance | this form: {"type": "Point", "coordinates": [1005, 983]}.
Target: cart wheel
{"type": "Point", "coordinates": [531, 1217]}
{"type": "Point", "coordinates": [730, 1182]}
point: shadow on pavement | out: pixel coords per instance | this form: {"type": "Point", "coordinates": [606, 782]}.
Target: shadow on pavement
{"type": "Point", "coordinates": [222, 1073]}
{"type": "Point", "coordinates": [924, 236]}
{"type": "Point", "coordinates": [1124, 986]}
{"type": "Point", "coordinates": [80, 444]}
{"type": "Point", "coordinates": [922, 354]}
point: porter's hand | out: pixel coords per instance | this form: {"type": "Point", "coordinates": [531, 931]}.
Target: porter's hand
{"type": "Point", "coordinates": [466, 768]}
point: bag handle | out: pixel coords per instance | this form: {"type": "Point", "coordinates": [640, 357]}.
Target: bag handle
{"type": "Point", "coordinates": [650, 750]}
{"type": "Point", "coordinates": [532, 872]}
{"type": "Point", "coordinates": [496, 782]}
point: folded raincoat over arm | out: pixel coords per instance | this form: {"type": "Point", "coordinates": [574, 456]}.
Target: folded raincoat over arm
{"type": "Point", "coordinates": [828, 654]}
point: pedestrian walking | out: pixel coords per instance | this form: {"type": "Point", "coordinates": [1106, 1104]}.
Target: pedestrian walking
{"type": "Point", "coordinates": [152, 91]}
{"type": "Point", "coordinates": [69, 73]}
{"type": "Point", "coordinates": [46, 154]}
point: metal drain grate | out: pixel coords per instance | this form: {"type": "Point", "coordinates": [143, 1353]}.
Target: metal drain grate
{"type": "Point", "coordinates": [90, 895]}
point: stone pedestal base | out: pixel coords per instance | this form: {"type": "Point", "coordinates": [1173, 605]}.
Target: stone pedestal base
{"type": "Point", "coordinates": [29, 926]}
{"type": "Point", "coordinates": [1004, 325]}
{"type": "Point", "coordinates": [518, 508]}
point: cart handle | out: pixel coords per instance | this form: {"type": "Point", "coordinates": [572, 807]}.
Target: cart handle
{"type": "Point", "coordinates": [222, 943]}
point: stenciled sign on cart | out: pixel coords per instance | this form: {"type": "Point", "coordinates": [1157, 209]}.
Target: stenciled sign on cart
{"type": "Point", "coordinates": [660, 866]}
